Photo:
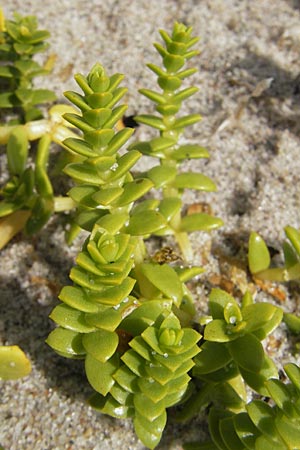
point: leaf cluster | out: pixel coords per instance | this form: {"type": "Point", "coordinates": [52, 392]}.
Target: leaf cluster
{"type": "Point", "coordinates": [129, 317]}
{"type": "Point", "coordinates": [20, 41]}
{"type": "Point", "coordinates": [232, 354]}
{"type": "Point", "coordinates": [262, 426]}
{"type": "Point", "coordinates": [136, 352]}
{"type": "Point", "coordinates": [260, 265]}
{"type": "Point", "coordinates": [169, 147]}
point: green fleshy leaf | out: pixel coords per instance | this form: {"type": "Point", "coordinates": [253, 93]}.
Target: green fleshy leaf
{"type": "Point", "coordinates": [83, 195]}
{"type": "Point", "coordinates": [258, 254]}
{"type": "Point", "coordinates": [41, 96]}
{"type": "Point", "coordinates": [8, 100]}
{"type": "Point", "coordinates": [83, 173]}
{"type": "Point", "coordinates": [126, 379]}
{"type": "Point", "coordinates": [70, 318]}
{"type": "Point", "coordinates": [173, 63]}
{"type": "Point", "coordinates": [134, 362]}
{"type": "Point", "coordinates": [145, 315]}
{"type": "Point", "coordinates": [187, 273]}
{"type": "Point", "coordinates": [78, 122]}
{"type": "Point", "coordinates": [133, 190]}
{"type": "Point", "coordinates": [96, 283]}
{"type": "Point", "coordinates": [218, 331]}
{"type": "Point", "coordinates": [289, 431]}
{"type": "Point", "coordinates": [150, 432]}
{"type": "Point", "coordinates": [100, 374]}
{"type": "Point", "coordinates": [118, 140]}
{"type": "Point", "coordinates": [186, 121]}
{"type": "Point", "coordinates": [269, 326]}
{"type": "Point", "coordinates": [164, 278]}
{"type": "Point", "coordinates": [41, 213]}
{"type": "Point", "coordinates": [158, 145]}
{"type": "Point", "coordinates": [192, 180]}
{"type": "Point", "coordinates": [97, 117]}
{"type": "Point", "coordinates": [125, 163]}
{"type": "Point", "coordinates": [293, 372]}
{"type": "Point", "coordinates": [101, 344]}
{"type": "Point", "coordinates": [7, 208]}
{"type": "Point", "coordinates": [151, 121]}
{"type": "Point", "coordinates": [200, 222]}
{"type": "Point", "coordinates": [168, 109]}
{"type": "Point", "coordinates": [229, 435]}
{"type": "Point", "coordinates": [250, 360]}
{"type": "Point", "coordinates": [164, 375]}
{"type": "Point", "coordinates": [222, 375]}
{"type": "Point", "coordinates": [290, 256]}
{"type": "Point", "coordinates": [169, 207]}
{"type": "Point", "coordinates": [87, 219]}
{"type": "Point", "coordinates": [167, 82]}
{"type": "Point", "coordinates": [17, 150]}
{"type": "Point", "coordinates": [214, 418]}
{"type": "Point", "coordinates": [294, 237]}
{"type": "Point", "coordinates": [14, 363]}
{"type": "Point", "coordinates": [7, 72]}
{"type": "Point", "coordinates": [232, 313]}
{"type": "Point", "coordinates": [245, 430]}
{"type": "Point", "coordinates": [99, 138]}
{"type": "Point", "coordinates": [257, 380]}
{"type": "Point", "coordinates": [147, 407]}
{"type": "Point", "coordinates": [259, 315]}
{"type": "Point", "coordinates": [121, 395]}
{"type": "Point", "coordinates": [231, 394]}
{"type": "Point", "coordinates": [185, 93]}
{"type": "Point", "coordinates": [162, 175]}
{"type": "Point", "coordinates": [77, 298]}
{"type": "Point", "coordinates": [154, 96]}
{"type": "Point", "coordinates": [145, 222]}
{"type": "Point", "coordinates": [77, 99]}
{"type": "Point", "coordinates": [292, 321]}
{"type": "Point", "coordinates": [263, 417]}
{"type": "Point", "coordinates": [80, 146]}
{"type": "Point", "coordinates": [218, 299]}
{"type": "Point", "coordinates": [189, 151]}
{"type": "Point", "coordinates": [213, 356]}
{"type": "Point", "coordinates": [114, 295]}
{"type": "Point", "coordinates": [112, 223]}
{"type": "Point", "coordinates": [110, 406]}
{"type": "Point", "coordinates": [106, 196]}
{"type": "Point", "coordinates": [66, 343]}
{"type": "Point", "coordinates": [266, 443]}
{"type": "Point", "coordinates": [282, 397]}
{"type": "Point", "coordinates": [107, 318]}
{"type": "Point", "coordinates": [117, 114]}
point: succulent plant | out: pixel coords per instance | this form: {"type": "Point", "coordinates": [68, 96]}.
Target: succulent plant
{"type": "Point", "coordinates": [128, 315]}
{"type": "Point", "coordinates": [125, 315]}
{"type": "Point", "coordinates": [152, 375]}
{"type": "Point", "coordinates": [169, 147]}
{"type": "Point", "coordinates": [223, 366]}
{"type": "Point", "coordinates": [259, 258]}
{"type": "Point", "coordinates": [20, 41]}
{"type": "Point", "coordinates": [26, 200]}
{"type": "Point", "coordinates": [262, 426]}
{"type": "Point", "coordinates": [260, 265]}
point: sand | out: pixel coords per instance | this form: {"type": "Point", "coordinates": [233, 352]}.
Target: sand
{"type": "Point", "coordinates": [249, 98]}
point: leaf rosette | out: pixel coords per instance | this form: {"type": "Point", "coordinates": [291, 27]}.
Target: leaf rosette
{"type": "Point", "coordinates": [152, 374]}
